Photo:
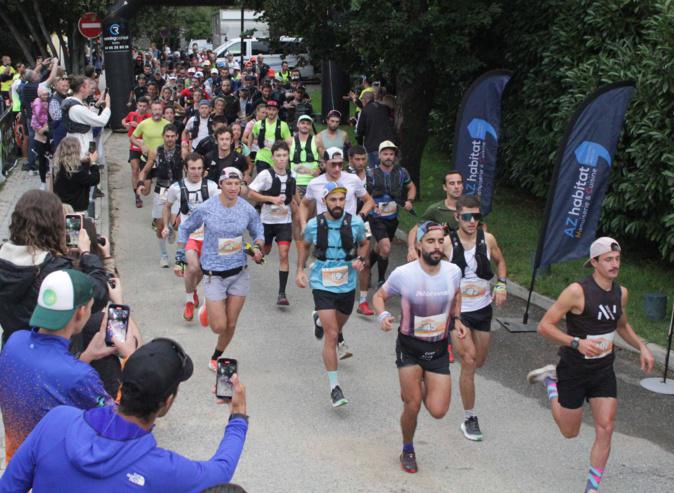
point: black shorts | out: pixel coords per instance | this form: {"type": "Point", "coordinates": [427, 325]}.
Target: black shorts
{"type": "Point", "coordinates": [282, 232]}
{"type": "Point", "coordinates": [302, 189]}
{"type": "Point", "coordinates": [479, 319]}
{"type": "Point", "coordinates": [134, 154]}
{"type": "Point", "coordinates": [383, 228]}
{"type": "Point", "coordinates": [327, 300]}
{"type": "Point", "coordinates": [577, 383]}
{"type": "Point", "coordinates": [430, 356]}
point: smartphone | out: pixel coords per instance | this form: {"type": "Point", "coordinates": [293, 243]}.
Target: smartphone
{"type": "Point", "coordinates": [73, 226]}
{"type": "Point", "coordinates": [92, 147]}
{"type": "Point", "coordinates": [223, 383]}
{"type": "Point", "coordinates": [118, 323]}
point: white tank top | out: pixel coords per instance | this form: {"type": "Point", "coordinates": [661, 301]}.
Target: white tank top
{"type": "Point", "coordinates": [475, 292]}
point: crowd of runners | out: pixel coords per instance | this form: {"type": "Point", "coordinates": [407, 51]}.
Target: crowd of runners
{"type": "Point", "coordinates": [231, 163]}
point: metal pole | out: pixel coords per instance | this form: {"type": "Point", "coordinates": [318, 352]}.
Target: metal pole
{"type": "Point", "coordinates": [241, 37]}
{"type": "Point", "coordinates": [669, 347]}
{"type": "Point", "coordinates": [525, 318]}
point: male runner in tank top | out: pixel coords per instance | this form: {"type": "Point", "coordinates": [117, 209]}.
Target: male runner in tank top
{"type": "Point", "coordinates": [595, 311]}
{"type": "Point", "coordinates": [332, 136]}
{"type": "Point", "coordinates": [430, 294]}
{"type": "Point", "coordinates": [472, 249]}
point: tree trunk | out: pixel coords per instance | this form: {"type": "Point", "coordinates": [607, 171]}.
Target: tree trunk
{"type": "Point", "coordinates": [43, 28]}
{"type": "Point", "coordinates": [36, 37]}
{"type": "Point", "coordinates": [66, 51]}
{"type": "Point", "coordinates": [16, 34]}
{"type": "Point", "coordinates": [413, 106]}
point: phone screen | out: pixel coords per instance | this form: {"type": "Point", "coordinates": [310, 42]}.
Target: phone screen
{"type": "Point", "coordinates": [223, 384]}
{"type": "Point", "coordinates": [92, 147]}
{"type": "Point", "coordinates": [73, 226]}
{"type": "Point", "coordinates": [118, 323]}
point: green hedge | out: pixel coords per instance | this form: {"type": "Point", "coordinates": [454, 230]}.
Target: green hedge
{"type": "Point", "coordinates": [561, 51]}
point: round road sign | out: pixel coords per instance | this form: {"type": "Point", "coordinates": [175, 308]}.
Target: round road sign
{"type": "Point", "coordinates": [90, 25]}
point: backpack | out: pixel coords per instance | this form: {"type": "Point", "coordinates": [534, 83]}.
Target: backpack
{"type": "Point", "coordinates": [345, 233]}
{"type": "Point", "coordinates": [184, 195]}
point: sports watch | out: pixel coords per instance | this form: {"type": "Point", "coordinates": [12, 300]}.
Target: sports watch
{"type": "Point", "coordinates": [575, 342]}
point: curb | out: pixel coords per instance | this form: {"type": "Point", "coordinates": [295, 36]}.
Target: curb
{"type": "Point", "coordinates": [103, 204]}
{"type": "Point", "coordinates": [543, 302]}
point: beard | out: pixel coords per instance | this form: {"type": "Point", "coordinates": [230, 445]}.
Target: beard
{"type": "Point", "coordinates": [336, 213]}
{"type": "Point", "coordinates": [430, 259]}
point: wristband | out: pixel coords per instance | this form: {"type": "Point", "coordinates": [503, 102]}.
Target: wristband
{"type": "Point", "coordinates": [383, 315]}
{"type": "Point", "coordinates": [238, 415]}
{"type": "Point", "coordinates": [500, 287]}
{"type": "Point", "coordinates": [503, 280]}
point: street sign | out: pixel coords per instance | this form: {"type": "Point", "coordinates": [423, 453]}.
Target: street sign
{"type": "Point", "coordinates": [90, 25]}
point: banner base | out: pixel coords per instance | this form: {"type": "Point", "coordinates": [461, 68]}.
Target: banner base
{"type": "Point", "coordinates": [658, 385]}
{"type": "Point", "coordinates": [515, 325]}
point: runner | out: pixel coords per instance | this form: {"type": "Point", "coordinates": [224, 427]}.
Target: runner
{"type": "Point", "coordinates": [267, 131]}
{"type": "Point", "coordinates": [304, 154]}
{"type": "Point", "coordinates": [198, 126]}
{"type": "Point", "coordinates": [332, 136]}
{"type": "Point", "coordinates": [471, 249]}
{"type": "Point", "coordinates": [336, 234]}
{"type": "Point", "coordinates": [595, 309]}
{"type": "Point", "coordinates": [187, 194]}
{"type": "Point", "coordinates": [390, 186]}
{"type": "Point", "coordinates": [276, 189]}
{"type": "Point", "coordinates": [130, 122]}
{"type": "Point", "coordinates": [165, 165]}
{"type": "Point", "coordinates": [225, 219]}
{"type": "Point", "coordinates": [430, 294]}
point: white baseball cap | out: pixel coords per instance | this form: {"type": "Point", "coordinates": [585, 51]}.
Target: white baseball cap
{"type": "Point", "coordinates": [230, 172]}
{"type": "Point", "coordinates": [600, 246]}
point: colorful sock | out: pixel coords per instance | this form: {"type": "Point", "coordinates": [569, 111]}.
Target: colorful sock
{"type": "Point", "coordinates": [551, 387]}
{"type": "Point", "coordinates": [216, 354]}
{"type": "Point", "coordinates": [162, 247]}
{"type": "Point", "coordinates": [332, 378]}
{"type": "Point", "coordinates": [189, 297]}
{"type": "Point", "coordinates": [408, 448]}
{"type": "Point", "coordinates": [469, 413]}
{"type": "Point", "coordinates": [593, 479]}
{"type": "Point", "coordinates": [382, 267]}
{"type": "Point", "coordinates": [282, 281]}
{"type": "Point", "coordinates": [363, 297]}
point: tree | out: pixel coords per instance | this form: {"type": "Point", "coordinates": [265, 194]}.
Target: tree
{"type": "Point", "coordinates": [164, 24]}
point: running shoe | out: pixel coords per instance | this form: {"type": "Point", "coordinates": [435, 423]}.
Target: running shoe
{"type": "Point", "coordinates": [471, 429]}
{"type": "Point", "coordinates": [139, 202]}
{"type": "Point", "coordinates": [408, 462]}
{"type": "Point", "coordinates": [98, 193]}
{"type": "Point", "coordinates": [195, 297]}
{"type": "Point", "coordinates": [282, 300]}
{"type": "Point", "coordinates": [213, 365]}
{"type": "Point", "coordinates": [337, 397]}
{"type": "Point", "coordinates": [188, 313]}
{"type": "Point", "coordinates": [343, 351]}
{"type": "Point", "coordinates": [364, 309]}
{"type": "Point", "coordinates": [203, 316]}
{"type": "Point", "coordinates": [164, 262]}
{"type": "Point", "coordinates": [318, 330]}
{"type": "Point", "coordinates": [540, 374]}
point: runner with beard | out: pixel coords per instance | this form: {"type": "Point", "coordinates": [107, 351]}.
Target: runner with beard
{"type": "Point", "coordinates": [332, 136]}
{"type": "Point", "coordinates": [430, 294]}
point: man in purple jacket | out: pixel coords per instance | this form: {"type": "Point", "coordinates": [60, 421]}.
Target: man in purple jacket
{"type": "Point", "coordinates": [112, 448]}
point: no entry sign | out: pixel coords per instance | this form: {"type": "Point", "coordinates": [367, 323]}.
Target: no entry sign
{"type": "Point", "coordinates": [90, 25]}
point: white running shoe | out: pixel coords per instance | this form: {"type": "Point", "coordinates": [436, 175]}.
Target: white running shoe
{"type": "Point", "coordinates": [343, 351]}
{"type": "Point", "coordinates": [540, 374]}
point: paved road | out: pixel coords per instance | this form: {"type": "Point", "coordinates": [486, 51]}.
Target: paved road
{"type": "Point", "coordinates": [298, 443]}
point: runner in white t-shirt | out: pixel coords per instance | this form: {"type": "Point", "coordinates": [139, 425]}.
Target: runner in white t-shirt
{"type": "Point", "coordinates": [276, 189]}
{"type": "Point", "coordinates": [430, 300]}
{"type": "Point", "coordinates": [182, 198]}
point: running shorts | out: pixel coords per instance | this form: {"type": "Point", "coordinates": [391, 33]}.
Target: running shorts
{"type": "Point", "coordinates": [430, 356]}
{"type": "Point", "coordinates": [282, 232]}
{"type": "Point", "coordinates": [195, 245]}
{"type": "Point", "coordinates": [134, 154]}
{"type": "Point", "coordinates": [479, 319]}
{"type": "Point", "coordinates": [383, 228]}
{"type": "Point", "coordinates": [327, 300]}
{"type": "Point", "coordinates": [217, 288]}
{"type": "Point", "coordinates": [576, 383]}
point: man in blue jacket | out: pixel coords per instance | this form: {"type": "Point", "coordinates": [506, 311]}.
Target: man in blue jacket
{"type": "Point", "coordinates": [112, 448]}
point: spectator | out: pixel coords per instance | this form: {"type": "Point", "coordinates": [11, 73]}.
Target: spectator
{"type": "Point", "coordinates": [112, 449]}
{"type": "Point", "coordinates": [73, 175]}
{"type": "Point", "coordinates": [37, 373]}
{"type": "Point", "coordinates": [37, 247]}
{"type": "Point", "coordinates": [374, 127]}
{"type": "Point", "coordinates": [56, 128]}
{"type": "Point", "coordinates": [39, 124]}
{"type": "Point", "coordinates": [78, 119]}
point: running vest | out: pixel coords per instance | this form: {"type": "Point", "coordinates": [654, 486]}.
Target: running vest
{"type": "Point", "coordinates": [380, 186]}
{"type": "Point", "coordinates": [345, 233]}
{"type": "Point", "coordinates": [194, 131]}
{"type": "Point", "coordinates": [167, 171]}
{"type": "Point", "coordinates": [483, 270]}
{"type": "Point", "coordinates": [71, 126]}
{"type": "Point", "coordinates": [263, 132]}
{"type": "Point", "coordinates": [184, 195]}
{"type": "Point", "coordinates": [275, 189]}
{"type": "Point", "coordinates": [309, 150]}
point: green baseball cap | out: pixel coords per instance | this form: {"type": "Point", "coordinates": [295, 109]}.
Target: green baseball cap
{"type": "Point", "coordinates": [61, 293]}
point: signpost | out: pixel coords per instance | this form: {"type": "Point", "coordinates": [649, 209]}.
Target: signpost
{"type": "Point", "coordinates": [90, 25]}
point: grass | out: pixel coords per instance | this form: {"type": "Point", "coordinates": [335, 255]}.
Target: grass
{"type": "Point", "coordinates": [515, 221]}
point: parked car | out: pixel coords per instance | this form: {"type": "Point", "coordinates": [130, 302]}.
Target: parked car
{"type": "Point", "coordinates": [274, 53]}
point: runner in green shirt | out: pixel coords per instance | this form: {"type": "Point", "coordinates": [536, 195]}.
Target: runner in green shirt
{"type": "Point", "coordinates": [148, 134]}
{"type": "Point", "coordinates": [265, 133]}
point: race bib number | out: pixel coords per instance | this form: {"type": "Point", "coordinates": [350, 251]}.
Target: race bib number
{"type": "Point", "coordinates": [198, 234]}
{"type": "Point", "coordinates": [606, 345]}
{"type": "Point", "coordinates": [368, 230]}
{"type": "Point", "coordinates": [431, 326]}
{"type": "Point", "coordinates": [230, 246]}
{"type": "Point", "coordinates": [334, 277]}
{"type": "Point", "coordinates": [278, 210]}
{"type": "Point", "coordinates": [474, 289]}
{"type": "Point", "coordinates": [388, 208]}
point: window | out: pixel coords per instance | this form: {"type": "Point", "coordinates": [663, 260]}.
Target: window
{"type": "Point", "coordinates": [260, 48]}
{"type": "Point", "coordinates": [235, 49]}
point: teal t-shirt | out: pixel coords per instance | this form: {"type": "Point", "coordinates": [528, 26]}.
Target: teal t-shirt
{"type": "Point", "coordinates": [336, 276]}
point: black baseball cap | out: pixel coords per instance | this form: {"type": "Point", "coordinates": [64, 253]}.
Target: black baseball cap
{"type": "Point", "coordinates": [155, 368]}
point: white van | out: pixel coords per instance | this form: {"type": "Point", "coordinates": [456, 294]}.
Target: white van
{"type": "Point", "coordinates": [254, 47]}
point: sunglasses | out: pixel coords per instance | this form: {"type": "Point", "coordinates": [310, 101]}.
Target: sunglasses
{"type": "Point", "coordinates": [467, 216]}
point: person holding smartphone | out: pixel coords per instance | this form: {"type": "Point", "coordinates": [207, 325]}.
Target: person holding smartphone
{"type": "Point", "coordinates": [126, 455]}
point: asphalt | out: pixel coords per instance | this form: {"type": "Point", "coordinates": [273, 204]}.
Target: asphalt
{"type": "Point", "coordinates": [298, 443]}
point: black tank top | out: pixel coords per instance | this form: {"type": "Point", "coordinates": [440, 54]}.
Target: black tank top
{"type": "Point", "coordinates": [600, 316]}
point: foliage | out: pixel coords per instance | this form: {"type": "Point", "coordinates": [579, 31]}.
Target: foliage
{"type": "Point", "coordinates": [164, 24]}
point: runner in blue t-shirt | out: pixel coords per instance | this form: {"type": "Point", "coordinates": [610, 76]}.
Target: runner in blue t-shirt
{"type": "Point", "coordinates": [336, 236]}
